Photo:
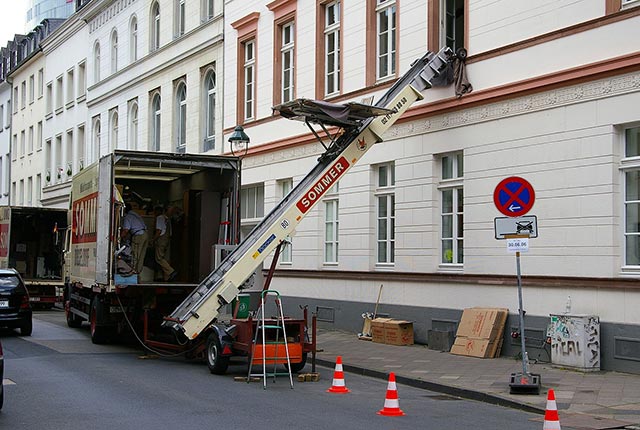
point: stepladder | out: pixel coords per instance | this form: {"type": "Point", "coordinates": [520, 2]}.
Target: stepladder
{"type": "Point", "coordinates": [271, 347]}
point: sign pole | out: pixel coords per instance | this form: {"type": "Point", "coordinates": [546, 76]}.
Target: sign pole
{"type": "Point", "coordinates": [525, 361]}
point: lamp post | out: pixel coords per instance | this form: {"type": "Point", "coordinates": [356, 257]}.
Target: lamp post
{"type": "Point", "coordinates": [239, 145]}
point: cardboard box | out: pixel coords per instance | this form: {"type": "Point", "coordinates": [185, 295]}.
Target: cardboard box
{"type": "Point", "coordinates": [377, 329]}
{"type": "Point", "coordinates": [398, 332]}
{"type": "Point", "coordinates": [480, 331]}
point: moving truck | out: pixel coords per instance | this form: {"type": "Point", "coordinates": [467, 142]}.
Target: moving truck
{"type": "Point", "coordinates": [31, 243]}
{"type": "Point", "coordinates": [204, 191]}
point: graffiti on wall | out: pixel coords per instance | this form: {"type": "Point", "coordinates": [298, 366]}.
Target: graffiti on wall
{"type": "Point", "coordinates": [575, 340]}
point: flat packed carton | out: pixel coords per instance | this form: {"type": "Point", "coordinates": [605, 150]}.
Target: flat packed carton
{"type": "Point", "coordinates": [480, 332]}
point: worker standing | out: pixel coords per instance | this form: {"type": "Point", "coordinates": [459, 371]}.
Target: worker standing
{"type": "Point", "coordinates": [133, 225]}
{"type": "Point", "coordinates": [162, 240]}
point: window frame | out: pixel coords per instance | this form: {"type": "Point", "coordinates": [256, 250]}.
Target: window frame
{"type": "Point", "coordinates": [209, 93]}
{"type": "Point", "coordinates": [454, 185]}
{"type": "Point", "coordinates": [180, 116]}
{"type": "Point", "coordinates": [113, 129]}
{"type": "Point", "coordinates": [114, 50]}
{"type": "Point", "coordinates": [249, 88]}
{"type": "Point", "coordinates": [133, 39]}
{"type": "Point", "coordinates": [154, 27]}
{"type": "Point", "coordinates": [155, 117]}
{"type": "Point", "coordinates": [132, 119]}
{"type": "Point", "coordinates": [382, 6]}
{"type": "Point", "coordinates": [331, 230]}
{"type": "Point", "coordinates": [330, 30]}
{"type": "Point", "coordinates": [96, 62]}
{"type": "Point", "coordinates": [385, 193]}
{"type": "Point", "coordinates": [258, 204]}
{"type": "Point", "coordinates": [629, 164]}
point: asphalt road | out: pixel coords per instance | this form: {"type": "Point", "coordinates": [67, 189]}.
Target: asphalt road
{"type": "Point", "coordinates": [57, 379]}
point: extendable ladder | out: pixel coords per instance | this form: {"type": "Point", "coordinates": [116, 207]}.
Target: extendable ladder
{"type": "Point", "coordinates": [360, 127]}
{"type": "Point", "coordinates": [276, 328]}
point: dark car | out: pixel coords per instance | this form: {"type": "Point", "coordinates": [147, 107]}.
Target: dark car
{"type": "Point", "coordinates": [1, 376]}
{"type": "Point", "coordinates": [15, 309]}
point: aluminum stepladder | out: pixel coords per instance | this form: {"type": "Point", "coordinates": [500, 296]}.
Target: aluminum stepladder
{"type": "Point", "coordinates": [277, 328]}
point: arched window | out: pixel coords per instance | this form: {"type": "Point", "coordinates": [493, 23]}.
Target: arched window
{"type": "Point", "coordinates": [133, 41]}
{"type": "Point", "coordinates": [96, 62]}
{"type": "Point", "coordinates": [155, 122]}
{"type": "Point", "coordinates": [133, 126]}
{"type": "Point", "coordinates": [155, 26]}
{"type": "Point", "coordinates": [95, 138]}
{"type": "Point", "coordinates": [114, 51]}
{"type": "Point", "coordinates": [209, 109]}
{"type": "Point", "coordinates": [181, 116]}
{"type": "Point", "coordinates": [113, 135]}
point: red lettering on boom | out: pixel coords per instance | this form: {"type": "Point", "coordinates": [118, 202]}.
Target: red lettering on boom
{"type": "Point", "coordinates": [323, 185]}
{"type": "Point", "coordinates": [85, 212]}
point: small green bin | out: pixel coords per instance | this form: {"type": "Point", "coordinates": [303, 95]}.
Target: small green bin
{"type": "Point", "coordinates": [244, 301]}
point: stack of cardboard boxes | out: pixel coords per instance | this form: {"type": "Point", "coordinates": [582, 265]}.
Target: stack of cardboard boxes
{"type": "Point", "coordinates": [480, 332]}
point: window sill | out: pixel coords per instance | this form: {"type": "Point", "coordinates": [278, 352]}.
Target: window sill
{"type": "Point", "coordinates": [70, 104]}
{"type": "Point", "coordinates": [630, 4]}
{"type": "Point", "coordinates": [450, 267]}
{"type": "Point", "coordinates": [49, 115]}
{"type": "Point", "coordinates": [59, 110]}
{"type": "Point", "coordinates": [81, 98]}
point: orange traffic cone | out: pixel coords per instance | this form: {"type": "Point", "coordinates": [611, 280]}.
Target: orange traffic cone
{"type": "Point", "coordinates": [338, 385]}
{"type": "Point", "coordinates": [551, 419]}
{"type": "Point", "coordinates": [391, 404]}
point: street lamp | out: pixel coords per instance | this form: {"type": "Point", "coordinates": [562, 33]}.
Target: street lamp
{"type": "Point", "coordinates": [239, 144]}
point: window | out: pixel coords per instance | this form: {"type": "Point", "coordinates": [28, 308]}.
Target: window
{"type": "Point", "coordinates": [82, 79]}
{"type": "Point", "coordinates": [30, 140]}
{"type": "Point", "coordinates": [249, 79]}
{"type": "Point", "coordinates": [1, 118]}
{"type": "Point", "coordinates": [15, 100]}
{"type": "Point", "coordinates": [81, 146]}
{"type": "Point", "coordinates": [96, 63]}
{"type": "Point", "coordinates": [287, 62]}
{"type": "Point", "coordinates": [132, 141]}
{"type": "Point", "coordinates": [155, 26]}
{"type": "Point", "coordinates": [13, 191]}
{"type": "Point", "coordinates": [211, 8]}
{"type": "Point", "coordinates": [95, 138]}
{"type": "Point", "coordinates": [58, 159]}
{"type": "Point", "coordinates": [332, 42]}
{"type": "Point", "coordinates": [385, 213]}
{"type": "Point", "coordinates": [331, 225]}
{"type": "Point", "coordinates": [209, 110]}
{"type": "Point", "coordinates": [23, 101]}
{"type": "Point", "coordinates": [113, 129]}
{"type": "Point", "coordinates": [58, 93]}
{"type": "Point", "coordinates": [40, 83]}
{"type": "Point", "coordinates": [179, 18]}
{"type": "Point", "coordinates": [22, 143]}
{"type": "Point", "coordinates": [30, 191]}
{"type": "Point", "coordinates": [70, 86]}
{"type": "Point", "coordinates": [252, 202]}
{"type": "Point", "coordinates": [21, 193]}
{"type": "Point", "coordinates": [181, 116]}
{"type": "Point", "coordinates": [133, 41]}
{"type": "Point", "coordinates": [114, 51]}
{"type": "Point", "coordinates": [47, 157]}
{"type": "Point", "coordinates": [14, 147]}
{"type": "Point", "coordinates": [452, 24]}
{"type": "Point", "coordinates": [69, 155]}
{"type": "Point", "coordinates": [155, 121]}
{"type": "Point", "coordinates": [49, 98]}
{"type": "Point", "coordinates": [451, 193]}
{"type": "Point", "coordinates": [285, 186]}
{"type": "Point", "coordinates": [38, 189]}
{"type": "Point", "coordinates": [32, 88]}
{"type": "Point", "coordinates": [39, 136]}
{"type": "Point", "coordinates": [631, 172]}
{"type": "Point", "coordinates": [386, 35]}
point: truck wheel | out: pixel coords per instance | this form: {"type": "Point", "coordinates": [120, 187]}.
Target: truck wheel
{"type": "Point", "coordinates": [215, 361]}
{"type": "Point", "coordinates": [73, 320]}
{"type": "Point", "coordinates": [99, 335]}
{"type": "Point", "coordinates": [296, 367]}
{"type": "Point", "coordinates": [27, 328]}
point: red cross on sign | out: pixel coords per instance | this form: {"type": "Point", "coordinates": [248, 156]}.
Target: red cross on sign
{"type": "Point", "coordinates": [514, 196]}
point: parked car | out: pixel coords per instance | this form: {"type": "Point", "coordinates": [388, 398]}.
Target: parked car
{"type": "Point", "coordinates": [15, 309]}
{"type": "Point", "coordinates": [1, 376]}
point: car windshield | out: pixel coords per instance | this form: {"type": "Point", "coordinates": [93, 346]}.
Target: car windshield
{"type": "Point", "coordinates": [8, 281]}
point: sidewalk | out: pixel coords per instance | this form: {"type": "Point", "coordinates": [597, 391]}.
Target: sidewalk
{"type": "Point", "coordinates": [599, 400]}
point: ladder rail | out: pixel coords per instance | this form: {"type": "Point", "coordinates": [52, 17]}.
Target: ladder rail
{"type": "Point", "coordinates": [225, 280]}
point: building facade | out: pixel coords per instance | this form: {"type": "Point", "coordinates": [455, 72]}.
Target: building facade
{"type": "Point", "coordinates": [417, 214]}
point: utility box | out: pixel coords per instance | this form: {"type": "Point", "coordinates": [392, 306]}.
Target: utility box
{"type": "Point", "coordinates": [575, 341]}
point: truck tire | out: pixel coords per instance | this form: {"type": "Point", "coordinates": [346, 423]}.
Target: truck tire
{"type": "Point", "coordinates": [27, 328]}
{"type": "Point", "coordinates": [73, 320]}
{"type": "Point", "coordinates": [99, 334]}
{"type": "Point", "coordinates": [296, 367]}
{"type": "Point", "coordinates": [215, 361]}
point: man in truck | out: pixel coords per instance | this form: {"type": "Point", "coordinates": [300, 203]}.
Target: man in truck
{"type": "Point", "coordinates": [162, 240]}
{"type": "Point", "coordinates": [134, 228]}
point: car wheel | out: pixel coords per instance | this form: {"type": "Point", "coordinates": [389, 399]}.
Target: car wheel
{"type": "Point", "coordinates": [27, 328]}
{"type": "Point", "coordinates": [99, 334]}
{"type": "Point", "coordinates": [73, 320]}
{"type": "Point", "coordinates": [215, 361]}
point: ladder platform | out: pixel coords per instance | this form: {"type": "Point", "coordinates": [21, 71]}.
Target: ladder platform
{"type": "Point", "coordinates": [321, 112]}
